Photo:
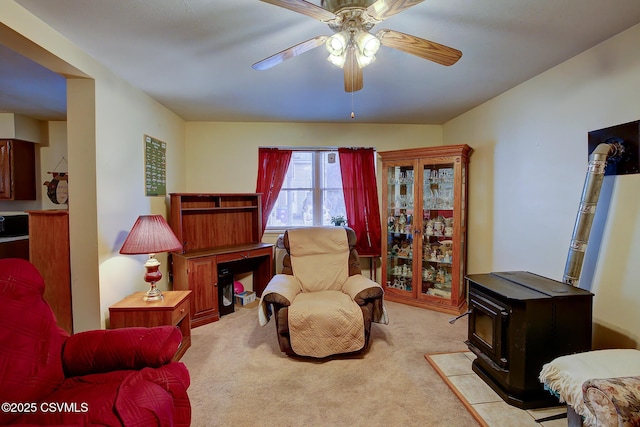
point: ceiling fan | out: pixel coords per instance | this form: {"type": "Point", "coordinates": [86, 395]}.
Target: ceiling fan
{"type": "Point", "coordinates": [352, 47]}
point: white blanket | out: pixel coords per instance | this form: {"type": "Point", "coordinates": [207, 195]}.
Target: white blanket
{"type": "Point", "coordinates": [566, 374]}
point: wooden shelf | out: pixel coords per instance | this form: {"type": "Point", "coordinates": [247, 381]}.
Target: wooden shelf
{"type": "Point", "coordinates": [202, 221]}
{"type": "Point", "coordinates": [217, 229]}
{"type": "Point", "coordinates": [219, 208]}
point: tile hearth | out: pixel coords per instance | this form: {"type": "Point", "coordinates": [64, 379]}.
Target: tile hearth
{"type": "Point", "coordinates": [484, 403]}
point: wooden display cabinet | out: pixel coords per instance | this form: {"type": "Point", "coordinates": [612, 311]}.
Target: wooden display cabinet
{"type": "Point", "coordinates": [217, 229]}
{"type": "Point", "coordinates": [424, 197]}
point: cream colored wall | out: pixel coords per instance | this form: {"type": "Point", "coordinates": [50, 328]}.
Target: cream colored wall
{"type": "Point", "coordinates": [83, 217]}
{"type": "Point", "coordinates": [106, 122]}
{"type": "Point", "coordinates": [527, 173]}
{"type": "Point", "coordinates": [223, 157]}
{"type": "Point", "coordinates": [125, 116]}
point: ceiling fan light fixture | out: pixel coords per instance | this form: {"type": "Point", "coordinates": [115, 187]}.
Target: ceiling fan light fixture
{"type": "Point", "coordinates": [364, 60]}
{"type": "Point", "coordinates": [337, 44]}
{"type": "Point", "coordinates": [353, 47]}
{"type": "Point", "coordinates": [368, 44]}
{"type": "Point", "coordinates": [337, 60]}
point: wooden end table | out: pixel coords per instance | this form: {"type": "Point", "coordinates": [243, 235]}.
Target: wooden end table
{"type": "Point", "coordinates": [174, 310]}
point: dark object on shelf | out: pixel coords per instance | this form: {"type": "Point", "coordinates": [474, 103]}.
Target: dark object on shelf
{"type": "Point", "coordinates": [14, 225]}
{"type": "Point", "coordinates": [225, 291]}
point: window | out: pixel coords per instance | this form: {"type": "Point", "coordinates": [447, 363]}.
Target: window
{"type": "Point", "coordinates": [311, 193]}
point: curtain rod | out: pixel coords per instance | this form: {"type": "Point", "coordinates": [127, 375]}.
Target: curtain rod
{"type": "Point", "coordinates": [299, 148]}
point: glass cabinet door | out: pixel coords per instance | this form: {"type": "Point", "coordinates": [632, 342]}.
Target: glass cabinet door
{"type": "Point", "coordinates": [400, 227]}
{"type": "Point", "coordinates": [438, 225]}
{"type": "Point", "coordinates": [424, 197]}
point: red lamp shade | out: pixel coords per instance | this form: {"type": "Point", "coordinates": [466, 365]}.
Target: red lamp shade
{"type": "Point", "coordinates": [150, 235]}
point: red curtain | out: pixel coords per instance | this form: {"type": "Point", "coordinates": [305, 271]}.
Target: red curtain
{"type": "Point", "coordinates": [272, 169]}
{"type": "Point", "coordinates": [357, 167]}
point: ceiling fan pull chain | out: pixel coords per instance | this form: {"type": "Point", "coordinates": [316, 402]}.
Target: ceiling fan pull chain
{"type": "Point", "coordinates": [353, 114]}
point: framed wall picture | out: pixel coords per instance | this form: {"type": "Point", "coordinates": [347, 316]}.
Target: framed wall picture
{"type": "Point", "coordinates": [155, 167]}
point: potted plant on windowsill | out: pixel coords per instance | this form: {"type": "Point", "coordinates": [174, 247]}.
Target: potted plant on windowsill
{"type": "Point", "coordinates": [339, 221]}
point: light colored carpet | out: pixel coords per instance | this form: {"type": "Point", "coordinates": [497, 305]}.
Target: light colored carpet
{"type": "Point", "coordinates": [240, 378]}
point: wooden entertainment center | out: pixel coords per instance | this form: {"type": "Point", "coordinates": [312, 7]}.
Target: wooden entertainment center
{"type": "Point", "coordinates": [217, 230]}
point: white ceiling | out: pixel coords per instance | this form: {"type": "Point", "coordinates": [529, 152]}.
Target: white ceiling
{"type": "Point", "coordinates": [195, 56]}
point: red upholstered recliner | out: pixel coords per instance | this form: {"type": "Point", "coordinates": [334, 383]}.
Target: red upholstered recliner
{"type": "Point", "coordinates": [103, 377]}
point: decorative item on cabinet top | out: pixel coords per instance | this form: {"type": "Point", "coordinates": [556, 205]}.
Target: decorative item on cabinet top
{"type": "Point", "coordinates": [58, 186]}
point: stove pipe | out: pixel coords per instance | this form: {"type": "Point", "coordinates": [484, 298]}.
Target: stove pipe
{"type": "Point", "coordinates": [590, 193]}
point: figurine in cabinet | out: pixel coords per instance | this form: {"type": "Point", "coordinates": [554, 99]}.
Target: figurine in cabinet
{"type": "Point", "coordinates": [391, 223]}
{"type": "Point", "coordinates": [438, 226]}
{"type": "Point", "coordinates": [429, 228]}
{"type": "Point", "coordinates": [430, 273]}
{"type": "Point", "coordinates": [402, 220]}
{"type": "Point", "coordinates": [395, 247]}
{"type": "Point", "coordinates": [404, 249]}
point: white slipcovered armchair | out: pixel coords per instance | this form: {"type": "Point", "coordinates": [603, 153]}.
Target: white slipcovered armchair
{"type": "Point", "coordinates": [322, 303]}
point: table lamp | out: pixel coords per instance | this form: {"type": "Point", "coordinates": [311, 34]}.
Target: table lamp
{"type": "Point", "coordinates": [151, 235]}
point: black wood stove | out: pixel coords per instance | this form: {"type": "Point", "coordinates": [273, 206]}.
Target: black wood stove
{"type": "Point", "coordinates": [520, 321]}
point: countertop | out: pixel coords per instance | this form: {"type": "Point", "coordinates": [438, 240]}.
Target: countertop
{"type": "Point", "coordinates": [13, 239]}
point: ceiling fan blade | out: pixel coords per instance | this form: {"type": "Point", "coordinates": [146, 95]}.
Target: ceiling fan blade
{"type": "Point", "coordinates": [382, 9]}
{"type": "Point", "coordinates": [352, 72]}
{"type": "Point", "coordinates": [305, 8]}
{"type": "Point", "coordinates": [289, 53]}
{"type": "Point", "coordinates": [426, 49]}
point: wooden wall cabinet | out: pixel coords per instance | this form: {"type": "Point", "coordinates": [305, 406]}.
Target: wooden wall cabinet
{"type": "Point", "coordinates": [18, 248]}
{"type": "Point", "coordinates": [200, 275]}
{"type": "Point", "coordinates": [424, 196]}
{"type": "Point", "coordinates": [17, 170]}
{"type": "Point", "coordinates": [49, 253]}
{"type": "Point", "coordinates": [217, 229]}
